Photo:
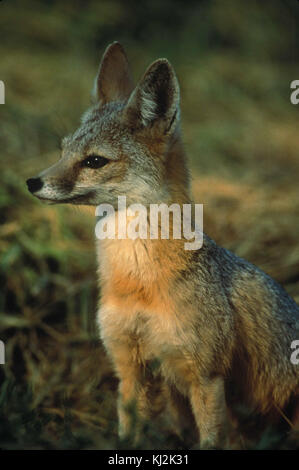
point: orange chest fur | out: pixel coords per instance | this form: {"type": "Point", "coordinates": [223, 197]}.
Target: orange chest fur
{"type": "Point", "coordinates": [139, 315]}
{"type": "Point", "coordinates": [136, 275]}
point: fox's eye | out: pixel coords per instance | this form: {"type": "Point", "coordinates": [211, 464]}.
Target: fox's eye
{"type": "Point", "coordinates": [95, 161]}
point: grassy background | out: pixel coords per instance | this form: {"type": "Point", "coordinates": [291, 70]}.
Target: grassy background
{"type": "Point", "coordinates": [235, 61]}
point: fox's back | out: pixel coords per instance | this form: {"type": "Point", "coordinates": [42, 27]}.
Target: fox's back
{"type": "Point", "coordinates": [265, 324]}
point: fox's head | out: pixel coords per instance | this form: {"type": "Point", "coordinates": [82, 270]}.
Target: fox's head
{"type": "Point", "coordinates": [125, 143]}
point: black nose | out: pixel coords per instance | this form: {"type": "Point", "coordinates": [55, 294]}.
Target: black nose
{"type": "Point", "coordinates": [34, 184]}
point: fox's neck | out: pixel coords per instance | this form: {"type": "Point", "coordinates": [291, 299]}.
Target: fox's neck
{"type": "Point", "coordinates": [177, 178]}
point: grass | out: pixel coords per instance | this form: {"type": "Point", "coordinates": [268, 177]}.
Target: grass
{"type": "Point", "coordinates": [58, 390]}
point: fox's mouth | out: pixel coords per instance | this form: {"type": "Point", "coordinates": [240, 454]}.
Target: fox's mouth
{"type": "Point", "coordinates": [83, 199]}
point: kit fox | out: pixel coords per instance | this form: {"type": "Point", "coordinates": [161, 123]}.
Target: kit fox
{"type": "Point", "coordinates": [187, 325]}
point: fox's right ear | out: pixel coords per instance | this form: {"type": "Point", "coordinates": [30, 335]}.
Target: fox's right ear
{"type": "Point", "coordinates": [113, 81]}
{"type": "Point", "coordinates": [155, 102]}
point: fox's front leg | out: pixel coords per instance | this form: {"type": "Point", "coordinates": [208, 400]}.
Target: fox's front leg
{"type": "Point", "coordinates": [180, 414]}
{"type": "Point", "coordinates": [139, 395]}
{"type": "Point", "coordinates": [130, 405]}
{"type": "Point", "coordinates": [208, 402]}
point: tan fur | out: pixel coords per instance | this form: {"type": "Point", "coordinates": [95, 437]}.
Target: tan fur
{"type": "Point", "coordinates": [200, 327]}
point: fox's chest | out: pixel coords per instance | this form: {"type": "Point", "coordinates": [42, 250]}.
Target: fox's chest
{"type": "Point", "coordinates": [140, 317]}
{"type": "Point", "coordinates": [151, 333]}
{"type": "Point", "coordinates": [136, 298]}
{"type": "Point", "coordinates": [149, 340]}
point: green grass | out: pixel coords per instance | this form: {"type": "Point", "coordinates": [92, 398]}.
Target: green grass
{"type": "Point", "coordinates": [235, 62]}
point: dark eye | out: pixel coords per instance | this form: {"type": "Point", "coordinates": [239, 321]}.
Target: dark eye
{"type": "Point", "coordinates": [95, 161]}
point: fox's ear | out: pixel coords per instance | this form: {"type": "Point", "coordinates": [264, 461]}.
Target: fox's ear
{"type": "Point", "coordinates": [156, 99]}
{"type": "Point", "coordinates": [113, 81]}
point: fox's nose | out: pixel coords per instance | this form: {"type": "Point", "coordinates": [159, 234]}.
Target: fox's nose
{"type": "Point", "coordinates": [34, 184]}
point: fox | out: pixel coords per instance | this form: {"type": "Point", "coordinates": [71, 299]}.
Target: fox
{"type": "Point", "coordinates": [185, 330]}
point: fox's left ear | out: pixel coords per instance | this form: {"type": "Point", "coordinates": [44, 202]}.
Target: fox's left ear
{"type": "Point", "coordinates": [156, 99]}
{"type": "Point", "coordinates": [113, 81]}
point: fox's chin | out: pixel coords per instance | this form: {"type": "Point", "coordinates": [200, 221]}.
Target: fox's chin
{"type": "Point", "coordinates": [85, 199]}
{"type": "Point", "coordinates": [47, 201]}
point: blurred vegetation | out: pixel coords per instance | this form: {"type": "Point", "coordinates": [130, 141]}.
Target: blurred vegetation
{"type": "Point", "coordinates": [235, 61]}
